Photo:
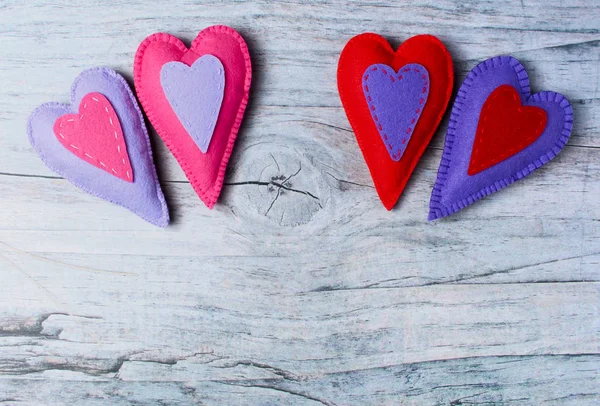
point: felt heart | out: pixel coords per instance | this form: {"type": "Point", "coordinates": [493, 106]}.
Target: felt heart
{"type": "Point", "coordinates": [390, 176]}
{"type": "Point", "coordinates": [205, 171]}
{"type": "Point", "coordinates": [505, 128]}
{"type": "Point", "coordinates": [396, 101]}
{"type": "Point", "coordinates": [184, 84]}
{"type": "Point", "coordinates": [497, 167]}
{"type": "Point", "coordinates": [93, 134]}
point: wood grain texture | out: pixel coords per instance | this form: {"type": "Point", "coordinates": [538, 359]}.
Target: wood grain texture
{"type": "Point", "coordinates": [311, 292]}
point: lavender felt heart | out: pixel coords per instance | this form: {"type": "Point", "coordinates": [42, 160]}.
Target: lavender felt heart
{"type": "Point", "coordinates": [396, 101]}
{"type": "Point", "coordinates": [143, 195]}
{"type": "Point", "coordinates": [454, 189]}
{"type": "Point", "coordinates": [195, 94]}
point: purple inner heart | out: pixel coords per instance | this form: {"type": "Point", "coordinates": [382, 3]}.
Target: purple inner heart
{"type": "Point", "coordinates": [396, 101]}
{"type": "Point", "coordinates": [454, 188]}
{"type": "Point", "coordinates": [195, 94]}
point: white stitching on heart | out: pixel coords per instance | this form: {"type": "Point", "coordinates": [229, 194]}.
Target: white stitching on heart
{"type": "Point", "coordinates": [116, 138]}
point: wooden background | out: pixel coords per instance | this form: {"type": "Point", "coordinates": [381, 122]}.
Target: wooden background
{"type": "Point", "coordinates": [312, 294]}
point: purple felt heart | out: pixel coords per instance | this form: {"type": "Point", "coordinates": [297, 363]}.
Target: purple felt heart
{"type": "Point", "coordinates": [454, 189]}
{"type": "Point", "coordinates": [396, 101]}
{"type": "Point", "coordinates": [143, 195]}
{"type": "Point", "coordinates": [195, 94]}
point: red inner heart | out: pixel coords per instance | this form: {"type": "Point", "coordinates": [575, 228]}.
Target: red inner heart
{"type": "Point", "coordinates": [505, 128]}
{"type": "Point", "coordinates": [95, 135]}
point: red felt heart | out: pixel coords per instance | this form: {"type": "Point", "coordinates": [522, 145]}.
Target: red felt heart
{"type": "Point", "coordinates": [390, 177]}
{"type": "Point", "coordinates": [505, 128]}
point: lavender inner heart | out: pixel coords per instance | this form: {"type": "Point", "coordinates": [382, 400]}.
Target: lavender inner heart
{"type": "Point", "coordinates": [195, 94]}
{"type": "Point", "coordinates": [396, 101]}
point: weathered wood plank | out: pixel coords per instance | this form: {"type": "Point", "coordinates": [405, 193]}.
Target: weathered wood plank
{"type": "Point", "coordinates": [366, 327]}
{"type": "Point", "coordinates": [531, 380]}
{"type": "Point", "coordinates": [312, 294]}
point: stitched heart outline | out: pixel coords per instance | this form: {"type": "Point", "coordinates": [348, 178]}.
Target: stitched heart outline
{"type": "Point", "coordinates": [454, 189]}
{"type": "Point", "coordinates": [98, 139]}
{"type": "Point", "coordinates": [364, 50]}
{"type": "Point", "coordinates": [396, 101]}
{"type": "Point", "coordinates": [205, 171]}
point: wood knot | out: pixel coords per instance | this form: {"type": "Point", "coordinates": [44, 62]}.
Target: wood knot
{"type": "Point", "coordinates": [280, 186]}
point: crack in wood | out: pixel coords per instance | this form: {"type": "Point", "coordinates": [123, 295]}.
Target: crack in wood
{"type": "Point", "coordinates": [277, 371]}
{"type": "Point", "coordinates": [349, 182]}
{"type": "Point", "coordinates": [512, 269]}
{"type": "Point", "coordinates": [335, 127]}
{"type": "Point", "coordinates": [458, 401]}
{"type": "Point", "coordinates": [30, 331]}
{"type": "Point", "coordinates": [279, 389]}
{"type": "Point", "coordinates": [282, 185]}
{"type": "Point", "coordinates": [35, 330]}
{"type": "Point", "coordinates": [462, 280]}
{"type": "Point", "coordinates": [273, 183]}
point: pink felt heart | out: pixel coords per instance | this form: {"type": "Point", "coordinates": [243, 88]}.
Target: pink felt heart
{"type": "Point", "coordinates": [205, 171]}
{"type": "Point", "coordinates": [95, 135]}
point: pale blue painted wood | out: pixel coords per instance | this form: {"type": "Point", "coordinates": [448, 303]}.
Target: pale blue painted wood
{"type": "Point", "coordinates": [313, 294]}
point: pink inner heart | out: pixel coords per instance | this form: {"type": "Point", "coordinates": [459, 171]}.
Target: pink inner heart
{"type": "Point", "coordinates": [95, 136]}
